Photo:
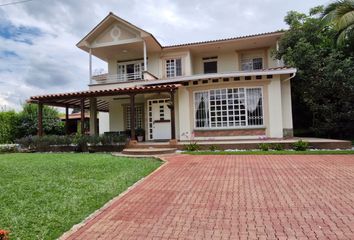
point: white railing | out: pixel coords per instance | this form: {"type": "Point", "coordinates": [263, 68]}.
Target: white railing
{"type": "Point", "coordinates": [116, 78]}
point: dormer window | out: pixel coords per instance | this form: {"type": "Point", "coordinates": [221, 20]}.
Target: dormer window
{"type": "Point", "coordinates": [173, 67]}
{"type": "Point", "coordinates": [250, 64]}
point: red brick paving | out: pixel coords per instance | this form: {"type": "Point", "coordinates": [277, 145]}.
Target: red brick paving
{"type": "Point", "coordinates": [235, 197]}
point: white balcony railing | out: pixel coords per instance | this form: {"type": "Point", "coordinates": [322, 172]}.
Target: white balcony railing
{"type": "Point", "coordinates": [116, 78]}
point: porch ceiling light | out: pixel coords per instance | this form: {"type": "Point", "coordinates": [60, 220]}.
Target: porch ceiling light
{"type": "Point", "coordinates": [125, 51]}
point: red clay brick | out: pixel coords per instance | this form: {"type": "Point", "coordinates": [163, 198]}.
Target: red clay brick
{"type": "Point", "coordinates": [235, 197]}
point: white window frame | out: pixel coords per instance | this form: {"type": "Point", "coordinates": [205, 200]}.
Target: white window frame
{"type": "Point", "coordinates": [174, 65]}
{"type": "Point", "coordinates": [210, 59]}
{"type": "Point", "coordinates": [232, 127]}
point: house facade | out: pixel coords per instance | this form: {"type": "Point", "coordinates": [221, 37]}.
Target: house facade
{"type": "Point", "coordinates": [223, 89]}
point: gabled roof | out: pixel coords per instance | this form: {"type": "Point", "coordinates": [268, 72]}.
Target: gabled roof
{"type": "Point", "coordinates": [110, 16]}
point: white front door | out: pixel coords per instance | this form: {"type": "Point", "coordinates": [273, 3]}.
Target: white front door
{"type": "Point", "coordinates": [159, 119]}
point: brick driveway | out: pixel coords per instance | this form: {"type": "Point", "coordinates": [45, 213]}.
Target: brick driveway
{"type": "Point", "coordinates": [235, 197]}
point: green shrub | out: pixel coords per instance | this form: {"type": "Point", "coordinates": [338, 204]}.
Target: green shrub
{"type": "Point", "coordinates": [277, 146]}
{"type": "Point", "coordinates": [191, 147]}
{"type": "Point", "coordinates": [213, 148]}
{"type": "Point", "coordinates": [300, 145]}
{"type": "Point", "coordinates": [264, 146]}
{"type": "Point", "coordinates": [8, 123]}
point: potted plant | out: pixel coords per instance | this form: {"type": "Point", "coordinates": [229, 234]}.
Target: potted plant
{"type": "Point", "coordinates": [140, 134]}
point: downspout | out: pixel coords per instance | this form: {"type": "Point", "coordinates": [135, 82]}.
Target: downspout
{"type": "Point", "coordinates": [292, 76]}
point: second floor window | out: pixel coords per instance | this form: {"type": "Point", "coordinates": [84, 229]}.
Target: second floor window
{"type": "Point", "coordinates": [210, 65]}
{"type": "Point", "coordinates": [250, 64]}
{"type": "Point", "coordinates": [173, 67]}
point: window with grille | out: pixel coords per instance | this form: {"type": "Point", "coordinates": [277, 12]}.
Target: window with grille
{"type": "Point", "coordinates": [228, 108]}
{"type": "Point", "coordinates": [250, 64]}
{"type": "Point", "coordinates": [138, 117]}
{"type": "Point", "coordinates": [173, 67]}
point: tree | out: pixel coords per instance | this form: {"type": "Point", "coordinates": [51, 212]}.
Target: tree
{"type": "Point", "coordinates": [340, 15]}
{"type": "Point", "coordinates": [323, 89]}
{"type": "Point", "coordinates": [28, 121]}
{"type": "Point", "coordinates": [8, 121]}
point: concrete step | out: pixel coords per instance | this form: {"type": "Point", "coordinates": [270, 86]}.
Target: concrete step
{"type": "Point", "coordinates": [149, 145]}
{"type": "Point", "coordinates": [148, 151]}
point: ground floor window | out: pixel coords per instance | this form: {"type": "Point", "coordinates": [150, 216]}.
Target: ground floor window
{"type": "Point", "coordinates": [139, 110]}
{"type": "Point", "coordinates": [228, 108]}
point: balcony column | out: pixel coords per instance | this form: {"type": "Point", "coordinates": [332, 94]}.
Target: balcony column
{"type": "Point", "coordinates": [40, 119]}
{"type": "Point", "coordinates": [93, 117]}
{"type": "Point", "coordinates": [82, 106]}
{"type": "Point", "coordinates": [90, 66]}
{"type": "Point", "coordinates": [132, 118]}
{"type": "Point", "coordinates": [145, 56]}
{"type": "Point", "coordinates": [67, 120]}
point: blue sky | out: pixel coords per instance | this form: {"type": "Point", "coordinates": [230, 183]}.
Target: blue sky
{"type": "Point", "coordinates": [37, 38]}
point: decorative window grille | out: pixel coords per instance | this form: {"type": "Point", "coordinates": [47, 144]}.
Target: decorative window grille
{"type": "Point", "coordinates": [173, 67]}
{"type": "Point", "coordinates": [139, 110]}
{"type": "Point", "coordinates": [228, 108]}
{"type": "Point", "coordinates": [250, 64]}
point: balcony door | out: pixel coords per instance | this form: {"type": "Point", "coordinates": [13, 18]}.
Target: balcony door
{"type": "Point", "coordinates": [129, 71]}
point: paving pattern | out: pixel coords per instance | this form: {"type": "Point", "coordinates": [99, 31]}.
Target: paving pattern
{"type": "Point", "coordinates": [235, 197]}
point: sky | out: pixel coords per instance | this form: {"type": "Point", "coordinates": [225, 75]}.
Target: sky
{"type": "Point", "coordinates": [38, 53]}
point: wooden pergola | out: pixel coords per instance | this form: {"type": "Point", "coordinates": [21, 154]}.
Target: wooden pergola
{"type": "Point", "coordinates": [91, 100]}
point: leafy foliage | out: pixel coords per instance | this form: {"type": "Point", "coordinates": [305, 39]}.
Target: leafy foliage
{"type": "Point", "coordinates": [264, 146]}
{"type": "Point", "coordinates": [323, 89]}
{"type": "Point", "coordinates": [28, 121]}
{"type": "Point", "coordinates": [17, 125]}
{"type": "Point", "coordinates": [191, 147]}
{"type": "Point", "coordinates": [300, 145]}
{"type": "Point", "coordinates": [8, 125]}
{"type": "Point", "coordinates": [340, 16]}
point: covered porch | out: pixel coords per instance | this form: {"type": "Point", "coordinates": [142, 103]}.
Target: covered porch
{"type": "Point", "coordinates": [96, 101]}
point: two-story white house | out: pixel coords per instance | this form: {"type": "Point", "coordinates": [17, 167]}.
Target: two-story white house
{"type": "Point", "coordinates": [221, 89]}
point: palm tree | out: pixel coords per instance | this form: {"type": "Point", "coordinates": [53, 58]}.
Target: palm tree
{"type": "Point", "coordinates": [340, 15]}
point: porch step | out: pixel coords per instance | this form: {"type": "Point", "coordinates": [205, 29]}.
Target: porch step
{"type": "Point", "coordinates": [149, 145]}
{"type": "Point", "coordinates": [148, 151]}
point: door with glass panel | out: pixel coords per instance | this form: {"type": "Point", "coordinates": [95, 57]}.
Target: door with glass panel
{"type": "Point", "coordinates": [130, 71]}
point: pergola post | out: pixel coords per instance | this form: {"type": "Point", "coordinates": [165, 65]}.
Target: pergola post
{"type": "Point", "coordinates": [173, 121]}
{"type": "Point", "coordinates": [93, 117]}
{"type": "Point", "coordinates": [40, 119]}
{"type": "Point", "coordinates": [82, 108]}
{"type": "Point", "coordinates": [132, 117]}
{"type": "Point", "coordinates": [67, 120]}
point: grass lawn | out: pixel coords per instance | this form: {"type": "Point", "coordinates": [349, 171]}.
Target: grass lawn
{"type": "Point", "coordinates": [44, 195]}
{"type": "Point", "coordinates": [283, 152]}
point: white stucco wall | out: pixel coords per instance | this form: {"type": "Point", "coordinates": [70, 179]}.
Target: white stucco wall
{"type": "Point", "coordinates": [286, 104]}
{"type": "Point", "coordinates": [275, 128]}
{"type": "Point", "coordinates": [184, 117]}
{"type": "Point", "coordinates": [103, 122]}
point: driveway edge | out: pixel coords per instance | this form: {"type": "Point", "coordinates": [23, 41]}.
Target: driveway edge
{"type": "Point", "coordinates": [76, 227]}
